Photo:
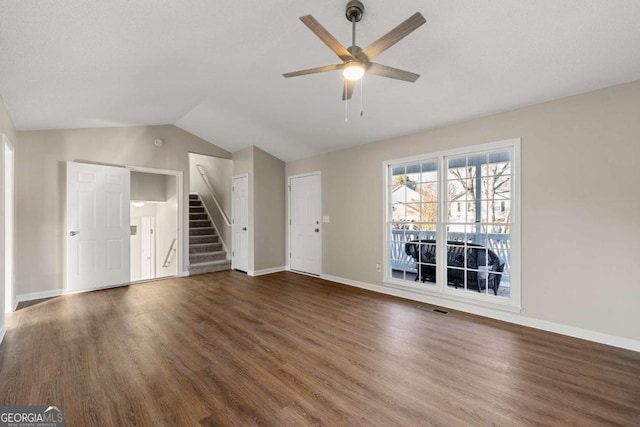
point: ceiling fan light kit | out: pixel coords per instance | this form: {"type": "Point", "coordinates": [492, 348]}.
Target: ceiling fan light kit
{"type": "Point", "coordinates": [353, 71]}
{"type": "Point", "coordinates": [355, 60]}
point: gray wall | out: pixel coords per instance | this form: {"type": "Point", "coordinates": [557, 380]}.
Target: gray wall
{"type": "Point", "coordinates": [267, 203]}
{"type": "Point", "coordinates": [218, 171]}
{"type": "Point", "coordinates": [270, 211]}
{"type": "Point", "coordinates": [580, 204]}
{"type": "Point", "coordinates": [7, 128]}
{"type": "Point", "coordinates": [40, 186]}
{"type": "Point", "coordinates": [149, 186]}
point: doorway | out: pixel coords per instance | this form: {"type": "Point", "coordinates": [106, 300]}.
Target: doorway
{"type": "Point", "coordinates": [305, 228]}
{"type": "Point", "coordinates": [155, 232]}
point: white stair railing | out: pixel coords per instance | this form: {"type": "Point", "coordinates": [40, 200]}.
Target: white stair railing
{"type": "Point", "coordinates": [172, 249]}
{"type": "Point", "coordinates": [213, 194]}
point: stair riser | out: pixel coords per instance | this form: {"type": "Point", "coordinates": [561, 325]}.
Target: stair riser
{"type": "Point", "coordinates": [207, 238]}
{"type": "Point", "coordinates": [200, 231]}
{"type": "Point", "coordinates": [196, 203]}
{"type": "Point", "coordinates": [209, 269]}
{"type": "Point", "coordinates": [199, 223]}
{"type": "Point", "coordinates": [210, 247]}
{"type": "Point", "coordinates": [195, 210]}
{"type": "Point", "coordinates": [205, 257]}
{"type": "Point", "coordinates": [198, 216]}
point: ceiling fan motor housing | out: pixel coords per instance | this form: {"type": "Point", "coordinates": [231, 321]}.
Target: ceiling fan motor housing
{"type": "Point", "coordinates": [354, 11]}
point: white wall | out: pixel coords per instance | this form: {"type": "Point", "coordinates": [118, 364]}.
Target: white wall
{"type": "Point", "coordinates": [166, 223]}
{"type": "Point", "coordinates": [580, 205]}
{"type": "Point", "coordinates": [41, 188]}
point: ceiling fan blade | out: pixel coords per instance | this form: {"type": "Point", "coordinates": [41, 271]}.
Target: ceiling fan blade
{"type": "Point", "coordinates": [393, 36]}
{"type": "Point", "coordinates": [347, 90]}
{"type": "Point", "coordinates": [392, 73]}
{"type": "Point", "coordinates": [326, 37]}
{"type": "Point", "coordinates": [314, 70]}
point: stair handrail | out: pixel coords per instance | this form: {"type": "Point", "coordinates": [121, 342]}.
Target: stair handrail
{"type": "Point", "coordinates": [172, 248]}
{"type": "Point", "coordinates": [213, 194]}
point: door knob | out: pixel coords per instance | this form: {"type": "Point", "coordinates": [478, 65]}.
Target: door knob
{"type": "Point", "coordinates": [244, 228]}
{"type": "Point", "coordinates": [73, 233]}
{"type": "Point", "coordinates": [317, 230]}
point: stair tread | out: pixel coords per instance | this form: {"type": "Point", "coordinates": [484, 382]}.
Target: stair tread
{"type": "Point", "coordinates": [216, 262]}
{"type": "Point", "coordinates": [201, 254]}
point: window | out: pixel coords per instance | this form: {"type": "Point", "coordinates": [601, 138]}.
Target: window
{"type": "Point", "coordinates": [452, 224]}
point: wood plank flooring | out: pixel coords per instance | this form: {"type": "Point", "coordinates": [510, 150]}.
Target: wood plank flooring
{"type": "Point", "coordinates": [224, 349]}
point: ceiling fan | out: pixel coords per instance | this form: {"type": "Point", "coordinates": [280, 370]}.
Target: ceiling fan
{"type": "Point", "coordinates": [355, 60]}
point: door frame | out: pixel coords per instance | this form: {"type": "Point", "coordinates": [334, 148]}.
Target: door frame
{"type": "Point", "coordinates": [288, 190]}
{"type": "Point", "coordinates": [8, 235]}
{"type": "Point", "coordinates": [180, 230]}
{"type": "Point", "coordinates": [233, 217]}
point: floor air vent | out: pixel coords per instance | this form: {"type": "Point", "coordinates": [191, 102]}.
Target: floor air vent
{"type": "Point", "coordinates": [438, 310]}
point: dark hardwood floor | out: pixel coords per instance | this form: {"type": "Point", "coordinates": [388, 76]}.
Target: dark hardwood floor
{"type": "Point", "coordinates": [284, 349]}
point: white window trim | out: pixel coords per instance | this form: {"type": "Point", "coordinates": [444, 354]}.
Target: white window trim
{"type": "Point", "coordinates": [440, 290]}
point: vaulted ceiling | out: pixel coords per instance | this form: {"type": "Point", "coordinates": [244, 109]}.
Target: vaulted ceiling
{"type": "Point", "coordinates": [214, 68]}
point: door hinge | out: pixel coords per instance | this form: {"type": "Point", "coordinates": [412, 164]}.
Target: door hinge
{"type": "Point", "coordinates": [233, 188]}
{"type": "Point", "coordinates": [289, 188]}
{"type": "Point", "coordinates": [233, 253]}
{"type": "Point", "coordinates": [289, 254]}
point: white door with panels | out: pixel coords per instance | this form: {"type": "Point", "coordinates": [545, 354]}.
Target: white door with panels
{"type": "Point", "coordinates": [240, 223]}
{"type": "Point", "coordinates": [97, 226]}
{"type": "Point", "coordinates": [305, 224]}
{"type": "Point", "coordinates": [147, 248]}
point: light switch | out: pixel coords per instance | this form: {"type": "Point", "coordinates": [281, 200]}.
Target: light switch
{"type": "Point", "coordinates": [325, 218]}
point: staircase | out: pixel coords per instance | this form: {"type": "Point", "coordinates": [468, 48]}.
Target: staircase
{"type": "Point", "coordinates": [206, 254]}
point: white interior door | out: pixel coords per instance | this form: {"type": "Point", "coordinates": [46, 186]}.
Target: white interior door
{"type": "Point", "coordinates": [305, 217]}
{"type": "Point", "coordinates": [97, 226]}
{"type": "Point", "coordinates": [240, 214]}
{"type": "Point", "coordinates": [148, 248]}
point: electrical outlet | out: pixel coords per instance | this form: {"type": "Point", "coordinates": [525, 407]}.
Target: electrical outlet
{"type": "Point", "coordinates": [378, 268]}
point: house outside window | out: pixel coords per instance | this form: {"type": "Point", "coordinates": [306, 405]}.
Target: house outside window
{"type": "Point", "coordinates": [452, 224]}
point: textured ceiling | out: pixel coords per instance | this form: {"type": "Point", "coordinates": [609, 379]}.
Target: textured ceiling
{"type": "Point", "coordinates": [214, 68]}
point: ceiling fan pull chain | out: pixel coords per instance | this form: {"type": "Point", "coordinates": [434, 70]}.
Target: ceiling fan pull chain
{"type": "Point", "coordinates": [346, 102]}
{"type": "Point", "coordinates": [361, 96]}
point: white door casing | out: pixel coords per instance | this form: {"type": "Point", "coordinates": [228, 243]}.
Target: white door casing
{"type": "Point", "coordinates": [97, 226]}
{"type": "Point", "coordinates": [240, 223]}
{"type": "Point", "coordinates": [305, 224]}
{"type": "Point", "coordinates": [8, 226]}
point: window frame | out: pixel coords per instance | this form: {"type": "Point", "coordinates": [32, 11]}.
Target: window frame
{"type": "Point", "coordinates": [440, 288]}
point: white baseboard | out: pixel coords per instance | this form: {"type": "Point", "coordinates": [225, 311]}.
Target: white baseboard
{"type": "Point", "coordinates": [38, 295]}
{"type": "Point", "coordinates": [531, 322]}
{"type": "Point", "coordinates": [184, 273]}
{"type": "Point", "coordinates": [2, 332]}
{"type": "Point", "coordinates": [266, 271]}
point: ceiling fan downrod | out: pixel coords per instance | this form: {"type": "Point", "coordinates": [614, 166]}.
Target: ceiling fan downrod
{"type": "Point", "coordinates": [354, 11]}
